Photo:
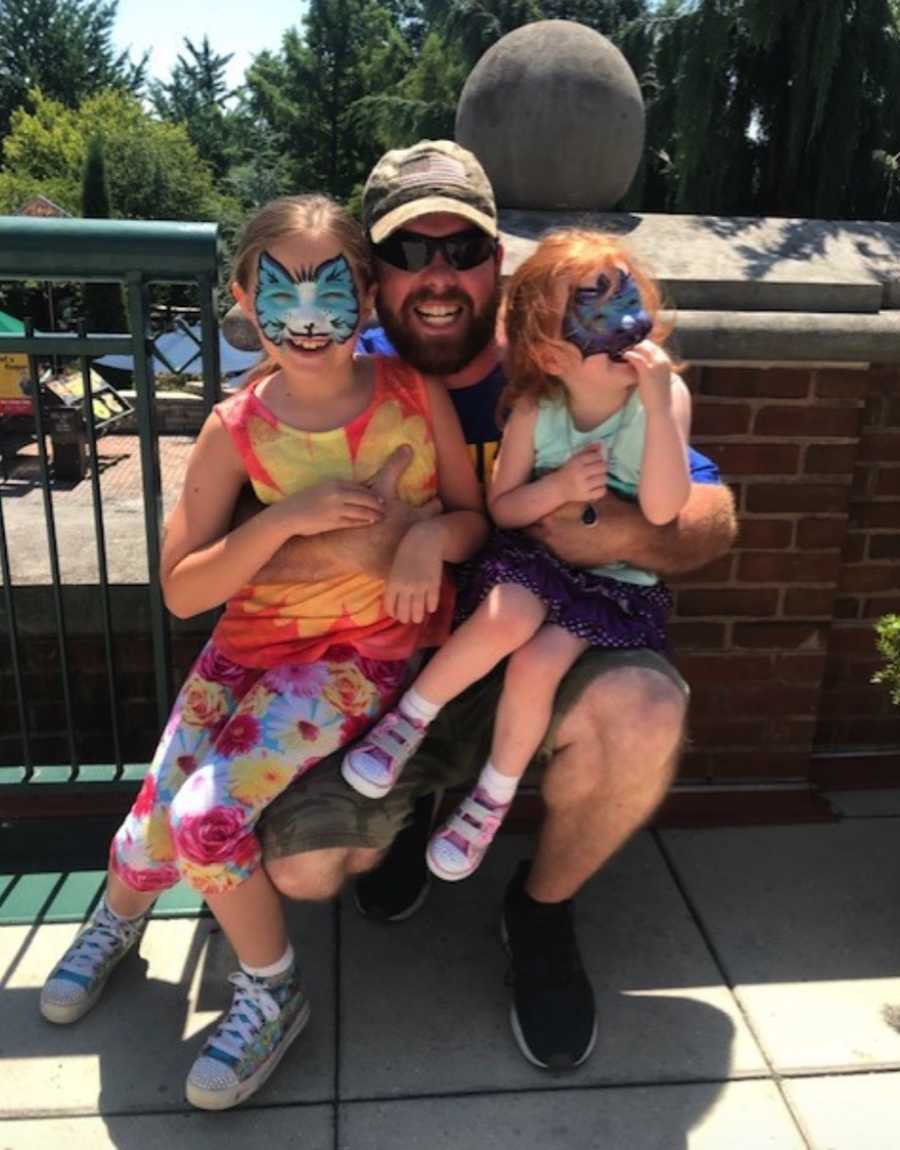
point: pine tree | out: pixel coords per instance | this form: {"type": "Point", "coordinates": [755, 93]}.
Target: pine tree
{"type": "Point", "coordinates": [795, 102]}
{"type": "Point", "coordinates": [64, 48]}
{"type": "Point", "coordinates": [196, 96]}
{"type": "Point", "coordinates": [104, 309]}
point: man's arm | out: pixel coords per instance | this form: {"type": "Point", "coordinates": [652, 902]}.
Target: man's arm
{"type": "Point", "coordinates": [704, 530]}
{"type": "Point", "coordinates": [371, 549]}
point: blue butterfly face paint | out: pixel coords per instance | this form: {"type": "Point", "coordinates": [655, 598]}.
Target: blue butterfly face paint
{"type": "Point", "coordinates": [602, 324]}
{"type": "Point", "coordinates": [310, 310]}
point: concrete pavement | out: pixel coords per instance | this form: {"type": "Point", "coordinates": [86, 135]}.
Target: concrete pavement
{"type": "Point", "coordinates": [748, 988]}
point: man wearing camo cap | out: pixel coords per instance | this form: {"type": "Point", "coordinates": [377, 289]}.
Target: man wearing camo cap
{"type": "Point", "coordinates": [611, 750]}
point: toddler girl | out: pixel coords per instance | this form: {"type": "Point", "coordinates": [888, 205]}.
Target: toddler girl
{"type": "Point", "coordinates": [593, 404]}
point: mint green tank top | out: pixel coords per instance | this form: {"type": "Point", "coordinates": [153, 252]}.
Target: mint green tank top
{"type": "Point", "coordinates": [556, 439]}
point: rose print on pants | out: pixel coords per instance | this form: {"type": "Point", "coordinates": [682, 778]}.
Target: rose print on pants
{"type": "Point", "coordinates": [236, 739]}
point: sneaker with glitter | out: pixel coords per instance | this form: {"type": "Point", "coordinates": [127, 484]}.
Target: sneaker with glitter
{"type": "Point", "coordinates": [78, 979]}
{"type": "Point", "coordinates": [265, 1017]}
{"type": "Point", "coordinates": [457, 848]}
{"type": "Point", "coordinates": [375, 764]}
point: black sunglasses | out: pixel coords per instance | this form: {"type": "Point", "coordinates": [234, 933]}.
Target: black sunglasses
{"type": "Point", "coordinates": [411, 252]}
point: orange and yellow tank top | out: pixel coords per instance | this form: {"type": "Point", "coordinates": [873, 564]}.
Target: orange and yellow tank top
{"type": "Point", "coordinates": [270, 624]}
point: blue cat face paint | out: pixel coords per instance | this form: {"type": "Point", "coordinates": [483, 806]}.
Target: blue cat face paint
{"type": "Point", "coordinates": [599, 323]}
{"type": "Point", "coordinates": [311, 309]}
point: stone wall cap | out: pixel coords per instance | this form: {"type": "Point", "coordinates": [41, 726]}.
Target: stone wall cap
{"type": "Point", "coordinates": [785, 337]}
{"type": "Point", "coordinates": [742, 263]}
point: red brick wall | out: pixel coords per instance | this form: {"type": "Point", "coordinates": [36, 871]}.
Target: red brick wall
{"type": "Point", "coordinates": [90, 696]}
{"type": "Point", "coordinates": [776, 639]}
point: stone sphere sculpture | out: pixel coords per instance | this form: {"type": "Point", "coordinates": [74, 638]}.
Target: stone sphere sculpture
{"type": "Point", "coordinates": [555, 114]}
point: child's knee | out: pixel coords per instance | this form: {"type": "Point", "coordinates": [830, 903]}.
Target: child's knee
{"type": "Point", "coordinates": [513, 614]}
{"type": "Point", "coordinates": [530, 662]}
{"type": "Point", "coordinates": [208, 832]}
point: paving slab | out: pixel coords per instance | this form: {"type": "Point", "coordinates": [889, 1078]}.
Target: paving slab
{"type": "Point", "coordinates": [876, 803]}
{"type": "Point", "coordinates": [123, 513]}
{"type": "Point", "coordinates": [806, 921]}
{"type": "Point", "coordinates": [849, 1112]}
{"type": "Point", "coordinates": [736, 1115]}
{"type": "Point", "coordinates": [424, 1008]}
{"type": "Point", "coordinates": [311, 1127]}
{"type": "Point", "coordinates": [133, 1051]}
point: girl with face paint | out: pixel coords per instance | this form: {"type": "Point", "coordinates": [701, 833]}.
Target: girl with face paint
{"type": "Point", "coordinates": [292, 672]}
{"type": "Point", "coordinates": [595, 412]}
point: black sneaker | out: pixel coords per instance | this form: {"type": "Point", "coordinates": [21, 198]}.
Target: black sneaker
{"type": "Point", "coordinates": [399, 886]}
{"type": "Point", "coordinates": [553, 1015]}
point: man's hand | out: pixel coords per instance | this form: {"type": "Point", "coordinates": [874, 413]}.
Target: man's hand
{"type": "Point", "coordinates": [367, 549]}
{"type": "Point", "coordinates": [704, 530]}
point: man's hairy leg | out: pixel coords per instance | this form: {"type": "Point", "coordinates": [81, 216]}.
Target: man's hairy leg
{"type": "Point", "coordinates": [316, 876]}
{"type": "Point", "coordinates": [616, 754]}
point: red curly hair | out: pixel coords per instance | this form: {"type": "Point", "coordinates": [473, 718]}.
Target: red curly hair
{"type": "Point", "coordinates": [533, 315]}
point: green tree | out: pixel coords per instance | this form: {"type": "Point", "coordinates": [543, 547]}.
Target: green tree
{"type": "Point", "coordinates": [63, 47]}
{"type": "Point", "coordinates": [474, 25]}
{"type": "Point", "coordinates": [196, 95]}
{"type": "Point", "coordinates": [104, 309]}
{"type": "Point", "coordinates": [796, 102]}
{"type": "Point", "coordinates": [607, 16]}
{"type": "Point", "coordinates": [422, 105]}
{"type": "Point", "coordinates": [153, 169]}
{"type": "Point", "coordinates": [305, 95]}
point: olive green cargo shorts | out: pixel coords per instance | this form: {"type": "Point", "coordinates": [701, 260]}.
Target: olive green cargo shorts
{"type": "Point", "coordinates": [320, 810]}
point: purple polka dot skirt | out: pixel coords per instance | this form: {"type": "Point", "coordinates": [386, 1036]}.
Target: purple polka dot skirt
{"type": "Point", "coordinates": [606, 612]}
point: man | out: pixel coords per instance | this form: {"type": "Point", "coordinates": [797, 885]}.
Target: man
{"type": "Point", "coordinates": [611, 752]}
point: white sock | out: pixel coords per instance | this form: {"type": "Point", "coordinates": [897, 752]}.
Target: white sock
{"type": "Point", "coordinates": [500, 788]}
{"type": "Point", "coordinates": [416, 706]}
{"type": "Point", "coordinates": [278, 967]}
{"type": "Point", "coordinates": [122, 917]}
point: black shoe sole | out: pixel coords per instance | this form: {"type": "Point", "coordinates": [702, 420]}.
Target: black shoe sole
{"type": "Point", "coordinates": [519, 1036]}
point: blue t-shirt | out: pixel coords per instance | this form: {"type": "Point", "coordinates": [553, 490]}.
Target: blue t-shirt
{"type": "Point", "coordinates": [476, 407]}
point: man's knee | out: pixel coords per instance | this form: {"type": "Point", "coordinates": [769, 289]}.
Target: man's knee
{"type": "Point", "coordinates": [638, 706]}
{"type": "Point", "coordinates": [313, 876]}
{"type": "Point", "coordinates": [624, 729]}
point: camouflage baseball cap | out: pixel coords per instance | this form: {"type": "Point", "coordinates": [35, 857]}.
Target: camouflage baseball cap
{"type": "Point", "coordinates": [431, 176]}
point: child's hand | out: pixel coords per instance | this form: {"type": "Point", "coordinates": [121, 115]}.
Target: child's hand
{"type": "Point", "coordinates": [329, 506]}
{"type": "Point", "coordinates": [414, 584]}
{"type": "Point", "coordinates": [583, 477]}
{"type": "Point", "coordinates": [654, 373]}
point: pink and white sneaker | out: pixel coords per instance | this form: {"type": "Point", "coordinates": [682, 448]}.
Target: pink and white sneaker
{"type": "Point", "coordinates": [374, 765]}
{"type": "Point", "coordinates": [457, 848]}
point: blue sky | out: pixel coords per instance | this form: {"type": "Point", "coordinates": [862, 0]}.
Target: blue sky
{"type": "Point", "coordinates": [244, 27]}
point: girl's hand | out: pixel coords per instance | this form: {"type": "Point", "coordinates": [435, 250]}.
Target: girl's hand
{"type": "Point", "coordinates": [329, 506]}
{"type": "Point", "coordinates": [414, 584]}
{"type": "Point", "coordinates": [654, 373]}
{"type": "Point", "coordinates": [582, 478]}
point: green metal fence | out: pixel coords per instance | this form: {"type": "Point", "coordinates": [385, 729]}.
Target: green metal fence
{"type": "Point", "coordinates": [138, 256]}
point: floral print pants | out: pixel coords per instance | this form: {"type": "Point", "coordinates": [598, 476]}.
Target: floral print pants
{"type": "Point", "coordinates": [236, 738]}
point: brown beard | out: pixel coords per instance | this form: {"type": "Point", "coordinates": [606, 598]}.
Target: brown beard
{"type": "Point", "coordinates": [438, 355]}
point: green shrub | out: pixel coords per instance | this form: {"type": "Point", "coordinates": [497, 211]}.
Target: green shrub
{"type": "Point", "coordinates": [888, 631]}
